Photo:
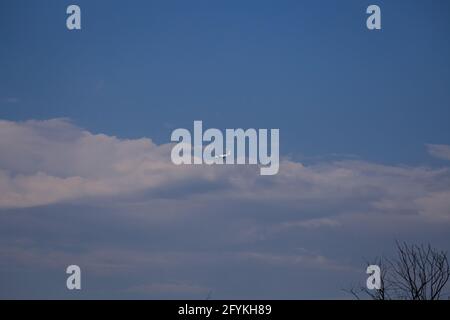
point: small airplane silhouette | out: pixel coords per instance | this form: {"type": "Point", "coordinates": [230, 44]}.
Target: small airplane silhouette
{"type": "Point", "coordinates": [222, 156]}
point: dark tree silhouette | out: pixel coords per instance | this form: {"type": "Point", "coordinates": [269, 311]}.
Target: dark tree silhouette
{"type": "Point", "coordinates": [417, 273]}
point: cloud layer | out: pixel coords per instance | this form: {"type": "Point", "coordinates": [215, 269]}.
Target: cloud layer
{"type": "Point", "coordinates": [54, 161]}
{"type": "Point", "coordinates": [143, 227]}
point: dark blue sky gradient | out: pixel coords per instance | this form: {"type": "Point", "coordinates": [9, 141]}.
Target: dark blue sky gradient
{"type": "Point", "coordinates": [310, 68]}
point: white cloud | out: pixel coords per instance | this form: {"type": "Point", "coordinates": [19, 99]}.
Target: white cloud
{"type": "Point", "coordinates": [44, 162]}
{"type": "Point", "coordinates": [47, 162]}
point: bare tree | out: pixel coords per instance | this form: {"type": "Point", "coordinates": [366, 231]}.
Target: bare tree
{"type": "Point", "coordinates": [417, 273]}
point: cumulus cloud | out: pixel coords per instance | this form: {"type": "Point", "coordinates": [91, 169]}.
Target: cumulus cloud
{"type": "Point", "coordinates": [44, 162]}
{"type": "Point", "coordinates": [47, 162]}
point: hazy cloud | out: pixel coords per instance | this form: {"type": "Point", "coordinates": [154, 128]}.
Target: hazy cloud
{"type": "Point", "coordinates": [131, 219]}
{"type": "Point", "coordinates": [46, 162]}
{"type": "Point", "coordinates": [440, 151]}
{"type": "Point", "coordinates": [11, 100]}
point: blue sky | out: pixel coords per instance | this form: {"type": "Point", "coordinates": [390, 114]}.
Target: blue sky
{"type": "Point", "coordinates": [367, 109]}
{"type": "Point", "coordinates": [310, 68]}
